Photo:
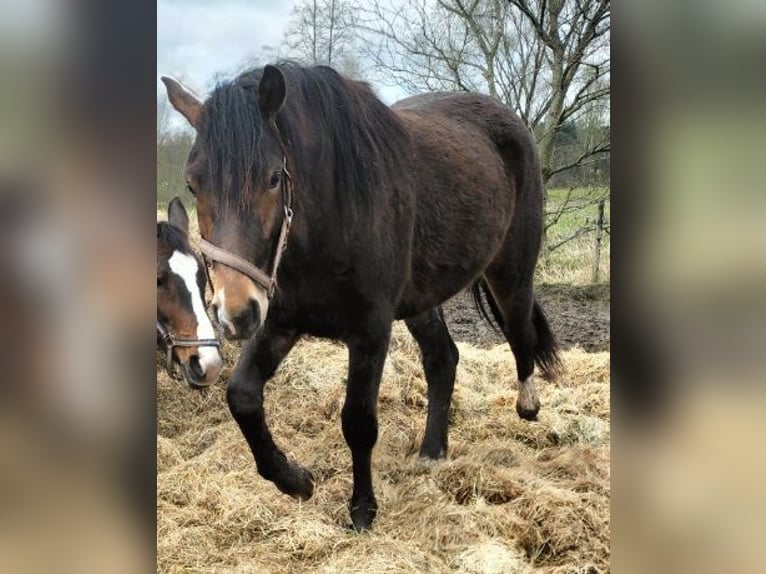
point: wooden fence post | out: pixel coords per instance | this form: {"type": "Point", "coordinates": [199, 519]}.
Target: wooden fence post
{"type": "Point", "coordinates": [597, 246]}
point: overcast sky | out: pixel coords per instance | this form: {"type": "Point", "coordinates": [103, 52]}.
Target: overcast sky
{"type": "Point", "coordinates": [200, 40]}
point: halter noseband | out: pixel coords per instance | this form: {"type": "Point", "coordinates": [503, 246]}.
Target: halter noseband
{"type": "Point", "coordinates": [171, 342]}
{"type": "Point", "coordinates": [268, 282]}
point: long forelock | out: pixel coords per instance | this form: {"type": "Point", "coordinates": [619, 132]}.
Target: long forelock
{"type": "Point", "coordinates": [365, 138]}
{"type": "Point", "coordinates": [232, 136]}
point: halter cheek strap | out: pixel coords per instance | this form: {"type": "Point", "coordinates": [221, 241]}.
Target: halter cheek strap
{"type": "Point", "coordinates": [267, 281]}
{"type": "Point", "coordinates": [171, 343]}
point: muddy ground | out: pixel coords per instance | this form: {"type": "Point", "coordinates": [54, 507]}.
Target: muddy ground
{"type": "Point", "coordinates": [579, 317]}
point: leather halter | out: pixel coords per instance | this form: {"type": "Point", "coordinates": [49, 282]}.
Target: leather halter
{"type": "Point", "coordinates": [267, 281]}
{"type": "Point", "coordinates": [171, 342]}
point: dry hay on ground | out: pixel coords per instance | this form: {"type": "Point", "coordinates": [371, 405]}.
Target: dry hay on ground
{"type": "Point", "coordinates": [512, 496]}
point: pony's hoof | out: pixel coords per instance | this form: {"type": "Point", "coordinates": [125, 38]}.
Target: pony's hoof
{"type": "Point", "coordinates": [298, 482]}
{"type": "Point", "coordinates": [528, 412]}
{"type": "Point", "coordinates": [362, 516]}
{"type": "Point", "coordinates": [527, 403]}
{"type": "Point", "coordinates": [432, 454]}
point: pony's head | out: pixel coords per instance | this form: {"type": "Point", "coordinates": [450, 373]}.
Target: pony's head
{"type": "Point", "coordinates": [182, 323]}
{"type": "Point", "coordinates": [237, 173]}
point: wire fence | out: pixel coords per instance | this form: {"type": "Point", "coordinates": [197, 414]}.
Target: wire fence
{"type": "Point", "coordinates": [577, 219]}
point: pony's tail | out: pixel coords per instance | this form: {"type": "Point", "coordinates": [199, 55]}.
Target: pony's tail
{"type": "Point", "coordinates": [482, 299]}
{"type": "Point", "coordinates": [546, 349]}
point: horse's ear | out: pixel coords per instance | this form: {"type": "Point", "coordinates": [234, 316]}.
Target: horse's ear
{"type": "Point", "coordinates": [177, 215]}
{"type": "Point", "coordinates": [183, 100]}
{"type": "Point", "coordinates": [271, 90]}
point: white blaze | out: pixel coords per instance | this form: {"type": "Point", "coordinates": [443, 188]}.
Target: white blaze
{"type": "Point", "coordinates": [185, 266]}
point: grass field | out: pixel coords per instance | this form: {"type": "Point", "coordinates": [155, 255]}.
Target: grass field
{"type": "Point", "coordinates": [572, 262]}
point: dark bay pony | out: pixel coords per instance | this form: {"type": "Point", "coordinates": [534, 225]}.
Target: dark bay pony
{"type": "Point", "coordinates": [364, 214]}
{"type": "Point", "coordinates": [183, 327]}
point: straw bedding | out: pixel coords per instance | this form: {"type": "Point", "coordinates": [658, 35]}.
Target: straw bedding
{"type": "Point", "coordinates": [512, 496]}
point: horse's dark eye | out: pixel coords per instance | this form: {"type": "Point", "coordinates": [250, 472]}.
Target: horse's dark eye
{"type": "Point", "coordinates": [276, 177]}
{"type": "Point", "coordinates": [190, 190]}
{"type": "Point", "coordinates": [161, 282]}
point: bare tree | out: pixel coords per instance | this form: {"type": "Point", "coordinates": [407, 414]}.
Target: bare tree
{"type": "Point", "coordinates": [163, 120]}
{"type": "Point", "coordinates": [321, 32]}
{"type": "Point", "coordinates": [173, 145]}
{"type": "Point", "coordinates": [549, 59]}
{"type": "Point", "coordinates": [574, 37]}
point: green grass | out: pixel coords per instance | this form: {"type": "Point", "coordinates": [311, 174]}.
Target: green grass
{"type": "Point", "coordinates": [572, 262]}
{"type": "Point", "coordinates": [171, 159]}
{"type": "Point", "coordinates": [166, 192]}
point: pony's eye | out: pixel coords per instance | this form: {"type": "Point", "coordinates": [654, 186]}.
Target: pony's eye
{"type": "Point", "coordinates": [276, 177]}
{"type": "Point", "coordinates": [161, 281]}
{"type": "Point", "coordinates": [190, 190]}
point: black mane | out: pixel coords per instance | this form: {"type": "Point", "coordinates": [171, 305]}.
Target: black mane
{"type": "Point", "coordinates": [352, 127]}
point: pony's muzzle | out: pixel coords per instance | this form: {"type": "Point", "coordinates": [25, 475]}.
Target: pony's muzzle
{"type": "Point", "coordinates": [239, 306]}
{"type": "Point", "coordinates": [243, 325]}
{"type": "Point", "coordinates": [203, 367]}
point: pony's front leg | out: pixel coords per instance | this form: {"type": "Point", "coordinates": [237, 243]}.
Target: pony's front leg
{"type": "Point", "coordinates": [260, 358]}
{"type": "Point", "coordinates": [360, 421]}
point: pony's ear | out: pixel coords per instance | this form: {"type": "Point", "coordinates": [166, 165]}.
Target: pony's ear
{"type": "Point", "coordinates": [177, 215]}
{"type": "Point", "coordinates": [271, 91]}
{"type": "Point", "coordinates": [183, 100]}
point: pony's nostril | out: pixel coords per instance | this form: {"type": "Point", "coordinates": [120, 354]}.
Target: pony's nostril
{"type": "Point", "coordinates": [248, 321]}
{"type": "Point", "coordinates": [196, 368]}
{"type": "Point", "coordinates": [255, 311]}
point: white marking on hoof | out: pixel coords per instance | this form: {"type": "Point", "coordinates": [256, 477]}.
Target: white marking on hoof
{"type": "Point", "coordinates": [527, 399]}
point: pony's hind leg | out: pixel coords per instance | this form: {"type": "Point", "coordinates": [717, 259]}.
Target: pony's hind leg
{"type": "Point", "coordinates": [440, 357]}
{"type": "Point", "coordinates": [513, 306]}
